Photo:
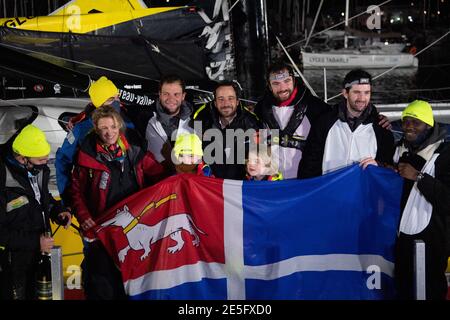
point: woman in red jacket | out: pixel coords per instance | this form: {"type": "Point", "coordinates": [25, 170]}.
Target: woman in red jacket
{"type": "Point", "coordinates": [111, 165]}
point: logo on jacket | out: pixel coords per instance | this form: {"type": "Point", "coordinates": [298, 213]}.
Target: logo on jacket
{"type": "Point", "coordinates": [38, 88]}
{"type": "Point", "coordinates": [57, 88]}
{"type": "Point", "coordinates": [141, 236]}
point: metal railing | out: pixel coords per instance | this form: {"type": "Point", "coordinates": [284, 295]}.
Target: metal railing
{"type": "Point", "coordinates": [57, 273]}
{"type": "Point", "coordinates": [419, 270]}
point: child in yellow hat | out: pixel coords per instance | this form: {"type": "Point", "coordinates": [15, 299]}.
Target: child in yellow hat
{"type": "Point", "coordinates": [189, 156]}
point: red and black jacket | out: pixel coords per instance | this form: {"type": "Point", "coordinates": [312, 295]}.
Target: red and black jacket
{"type": "Point", "coordinates": [92, 179]}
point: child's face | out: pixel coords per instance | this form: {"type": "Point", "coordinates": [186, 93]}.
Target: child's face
{"type": "Point", "coordinates": [255, 165]}
{"type": "Point", "coordinates": [189, 159]}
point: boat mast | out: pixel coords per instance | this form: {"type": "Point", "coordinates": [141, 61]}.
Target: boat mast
{"type": "Point", "coordinates": [346, 23]}
{"type": "Point", "coordinates": [250, 31]}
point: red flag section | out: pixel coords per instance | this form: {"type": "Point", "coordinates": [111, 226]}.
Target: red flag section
{"type": "Point", "coordinates": [161, 228]}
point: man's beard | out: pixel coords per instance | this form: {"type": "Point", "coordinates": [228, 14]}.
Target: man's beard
{"type": "Point", "coordinates": [420, 138]}
{"type": "Point", "coordinates": [279, 99]}
{"type": "Point", "coordinates": [357, 109]}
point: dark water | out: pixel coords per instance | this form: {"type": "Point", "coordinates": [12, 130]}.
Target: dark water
{"type": "Point", "coordinates": [399, 85]}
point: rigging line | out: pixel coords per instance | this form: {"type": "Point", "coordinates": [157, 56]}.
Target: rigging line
{"type": "Point", "coordinates": [415, 90]}
{"type": "Point", "coordinates": [338, 24]}
{"type": "Point", "coordinates": [396, 66]}
{"type": "Point", "coordinates": [231, 8]}
{"type": "Point", "coordinates": [210, 92]}
{"type": "Point", "coordinates": [94, 66]}
{"type": "Point", "coordinates": [296, 68]}
{"type": "Point", "coordinates": [33, 112]}
{"type": "Point", "coordinates": [433, 43]}
{"type": "Point", "coordinates": [77, 62]}
{"type": "Point", "coordinates": [45, 79]}
{"type": "Point", "coordinates": [66, 122]}
{"type": "Point", "coordinates": [436, 100]}
{"type": "Point", "coordinates": [421, 51]}
{"type": "Point", "coordinates": [314, 23]}
{"type": "Point", "coordinates": [434, 65]}
{"type": "Point", "coordinates": [250, 101]}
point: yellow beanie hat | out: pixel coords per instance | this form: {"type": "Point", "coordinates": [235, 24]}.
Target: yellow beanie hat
{"type": "Point", "coordinates": [188, 144]}
{"type": "Point", "coordinates": [421, 110]}
{"type": "Point", "coordinates": [101, 90]}
{"type": "Point", "coordinates": [31, 142]}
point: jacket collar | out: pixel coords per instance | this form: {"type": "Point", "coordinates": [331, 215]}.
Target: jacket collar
{"type": "Point", "coordinates": [216, 116]}
{"type": "Point", "coordinates": [163, 117]}
{"type": "Point", "coordinates": [369, 115]}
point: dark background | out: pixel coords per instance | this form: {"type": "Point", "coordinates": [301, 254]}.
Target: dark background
{"type": "Point", "coordinates": [421, 21]}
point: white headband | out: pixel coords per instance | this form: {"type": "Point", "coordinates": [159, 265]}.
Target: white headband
{"type": "Point", "coordinates": [279, 76]}
{"type": "Point", "coordinates": [357, 81]}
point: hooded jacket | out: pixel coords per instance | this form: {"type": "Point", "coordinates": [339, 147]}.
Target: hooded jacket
{"type": "Point", "coordinates": [436, 233]}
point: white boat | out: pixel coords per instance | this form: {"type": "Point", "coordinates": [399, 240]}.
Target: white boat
{"type": "Point", "coordinates": [349, 59]}
{"type": "Point", "coordinates": [365, 50]}
{"type": "Point", "coordinates": [375, 55]}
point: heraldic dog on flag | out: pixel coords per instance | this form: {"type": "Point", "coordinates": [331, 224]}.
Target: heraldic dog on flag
{"type": "Point", "coordinates": [192, 237]}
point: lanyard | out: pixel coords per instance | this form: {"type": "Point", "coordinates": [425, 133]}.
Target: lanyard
{"type": "Point", "coordinates": [37, 193]}
{"type": "Point", "coordinates": [35, 186]}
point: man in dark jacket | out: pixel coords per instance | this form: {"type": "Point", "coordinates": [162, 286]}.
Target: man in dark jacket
{"type": "Point", "coordinates": [231, 127]}
{"type": "Point", "coordinates": [26, 206]}
{"type": "Point", "coordinates": [289, 107]}
{"type": "Point", "coordinates": [349, 132]}
{"type": "Point", "coordinates": [424, 162]}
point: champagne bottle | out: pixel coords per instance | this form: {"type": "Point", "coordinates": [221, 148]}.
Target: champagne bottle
{"type": "Point", "coordinates": [44, 276]}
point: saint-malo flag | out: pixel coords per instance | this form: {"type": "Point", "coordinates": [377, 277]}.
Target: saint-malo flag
{"type": "Point", "coordinates": [191, 237]}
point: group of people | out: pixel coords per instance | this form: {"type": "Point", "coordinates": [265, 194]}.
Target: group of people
{"type": "Point", "coordinates": [109, 154]}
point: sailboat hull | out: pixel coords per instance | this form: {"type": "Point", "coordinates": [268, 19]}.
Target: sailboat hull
{"type": "Point", "coordinates": [337, 60]}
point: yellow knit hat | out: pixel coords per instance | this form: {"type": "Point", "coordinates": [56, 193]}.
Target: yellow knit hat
{"type": "Point", "coordinates": [101, 90]}
{"type": "Point", "coordinates": [421, 110]}
{"type": "Point", "coordinates": [188, 144]}
{"type": "Point", "coordinates": [31, 142]}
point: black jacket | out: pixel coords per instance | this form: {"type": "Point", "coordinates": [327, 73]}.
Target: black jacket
{"type": "Point", "coordinates": [306, 109]}
{"type": "Point", "coordinates": [436, 235]}
{"type": "Point", "coordinates": [21, 220]}
{"type": "Point", "coordinates": [315, 107]}
{"type": "Point", "coordinates": [209, 117]}
{"type": "Point", "coordinates": [311, 163]}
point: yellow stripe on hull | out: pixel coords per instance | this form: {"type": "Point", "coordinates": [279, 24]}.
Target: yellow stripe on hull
{"type": "Point", "coordinates": [72, 247]}
{"type": "Point", "coordinates": [86, 6]}
{"type": "Point", "coordinates": [79, 23]}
